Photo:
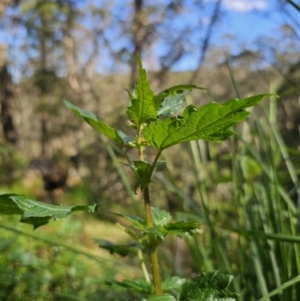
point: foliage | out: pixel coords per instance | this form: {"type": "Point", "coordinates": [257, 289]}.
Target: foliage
{"type": "Point", "coordinates": [152, 117]}
{"type": "Point", "coordinates": [37, 267]}
{"type": "Point", "coordinates": [210, 123]}
{"type": "Point", "coordinates": [36, 213]}
{"type": "Point", "coordinates": [255, 235]}
{"type": "Point", "coordinates": [207, 286]}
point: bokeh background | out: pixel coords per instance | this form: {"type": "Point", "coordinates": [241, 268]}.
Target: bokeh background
{"type": "Point", "coordinates": [244, 192]}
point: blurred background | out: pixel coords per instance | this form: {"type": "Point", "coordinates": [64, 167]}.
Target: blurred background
{"type": "Point", "coordinates": [245, 192]}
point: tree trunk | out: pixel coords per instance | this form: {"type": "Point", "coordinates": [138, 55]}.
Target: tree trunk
{"type": "Point", "coordinates": [138, 36]}
{"type": "Point", "coordinates": [6, 100]}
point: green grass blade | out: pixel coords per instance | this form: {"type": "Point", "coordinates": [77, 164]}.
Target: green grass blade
{"type": "Point", "coordinates": [279, 289]}
{"type": "Point", "coordinates": [263, 235]}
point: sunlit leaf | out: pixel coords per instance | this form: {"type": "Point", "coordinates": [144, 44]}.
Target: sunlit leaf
{"type": "Point", "coordinates": [209, 122]}
{"type": "Point", "coordinates": [34, 212]}
{"type": "Point", "coordinates": [172, 283]}
{"type": "Point", "coordinates": [98, 124]}
{"type": "Point", "coordinates": [172, 105]}
{"type": "Point", "coordinates": [170, 101]}
{"type": "Point", "coordinates": [160, 217]}
{"type": "Point", "coordinates": [141, 109]}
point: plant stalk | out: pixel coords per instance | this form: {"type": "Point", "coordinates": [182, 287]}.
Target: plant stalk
{"type": "Point", "coordinates": [153, 247]}
{"type": "Point", "coordinates": [149, 224]}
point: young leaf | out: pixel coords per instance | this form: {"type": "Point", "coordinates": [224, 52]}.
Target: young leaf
{"type": "Point", "coordinates": [142, 108]}
{"type": "Point", "coordinates": [34, 212]}
{"type": "Point", "coordinates": [160, 217]}
{"type": "Point", "coordinates": [172, 105]}
{"type": "Point", "coordinates": [97, 124]}
{"type": "Point", "coordinates": [209, 122]}
{"type": "Point", "coordinates": [171, 100]}
{"type": "Point", "coordinates": [122, 250]}
{"type": "Point", "coordinates": [142, 174]}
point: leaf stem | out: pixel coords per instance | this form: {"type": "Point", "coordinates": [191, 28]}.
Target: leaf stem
{"type": "Point", "coordinates": [154, 162]}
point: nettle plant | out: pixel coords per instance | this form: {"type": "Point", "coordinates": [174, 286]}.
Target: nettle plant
{"type": "Point", "coordinates": [160, 121]}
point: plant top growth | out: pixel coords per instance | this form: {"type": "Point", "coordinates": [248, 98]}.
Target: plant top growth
{"type": "Point", "coordinates": [160, 121]}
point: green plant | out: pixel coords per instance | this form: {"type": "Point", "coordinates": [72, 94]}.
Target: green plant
{"type": "Point", "coordinates": [253, 236]}
{"type": "Point", "coordinates": [159, 122]}
{"type": "Point", "coordinates": [46, 266]}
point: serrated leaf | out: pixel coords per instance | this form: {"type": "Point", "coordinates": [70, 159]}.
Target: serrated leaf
{"type": "Point", "coordinates": [142, 172]}
{"type": "Point", "coordinates": [209, 122]}
{"type": "Point", "coordinates": [160, 217]}
{"type": "Point", "coordinates": [97, 124]}
{"type": "Point", "coordinates": [138, 285]}
{"type": "Point", "coordinates": [207, 286]}
{"type": "Point", "coordinates": [34, 212]}
{"type": "Point", "coordinates": [171, 99]}
{"type": "Point", "coordinates": [141, 109]}
{"type": "Point", "coordinates": [122, 250]}
{"type": "Point", "coordinates": [183, 228]}
{"type": "Point", "coordinates": [163, 297]}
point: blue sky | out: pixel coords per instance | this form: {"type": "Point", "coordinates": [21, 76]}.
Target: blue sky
{"type": "Point", "coordinates": [247, 20]}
